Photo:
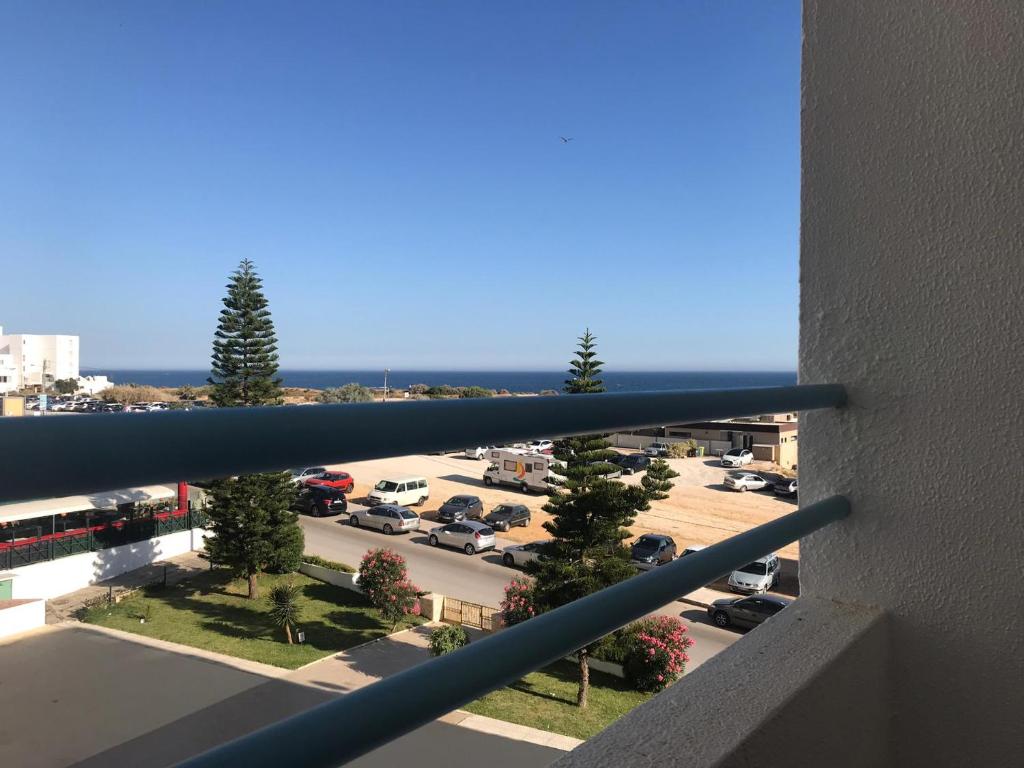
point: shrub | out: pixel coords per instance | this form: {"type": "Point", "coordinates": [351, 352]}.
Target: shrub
{"type": "Point", "coordinates": [443, 390]}
{"type": "Point", "coordinates": [519, 603]}
{"type": "Point", "coordinates": [656, 652]}
{"type": "Point", "coordinates": [324, 563]}
{"type": "Point", "coordinates": [385, 581]}
{"type": "Point", "coordinates": [447, 638]}
{"type": "Point", "coordinates": [475, 391]}
{"type": "Point", "coordinates": [349, 393]}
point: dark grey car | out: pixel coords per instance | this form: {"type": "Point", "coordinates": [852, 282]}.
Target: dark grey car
{"type": "Point", "coordinates": [506, 516]}
{"type": "Point", "coordinates": [633, 463]}
{"type": "Point", "coordinates": [652, 550]}
{"type": "Point", "coordinates": [745, 611]}
{"type": "Point", "coordinates": [459, 508]}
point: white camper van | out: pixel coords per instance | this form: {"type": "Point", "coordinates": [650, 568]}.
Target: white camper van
{"type": "Point", "coordinates": [525, 470]}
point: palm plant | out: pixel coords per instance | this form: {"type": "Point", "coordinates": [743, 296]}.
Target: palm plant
{"type": "Point", "coordinates": [284, 607]}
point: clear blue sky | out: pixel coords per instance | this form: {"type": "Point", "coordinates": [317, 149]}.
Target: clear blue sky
{"type": "Point", "coordinates": [395, 171]}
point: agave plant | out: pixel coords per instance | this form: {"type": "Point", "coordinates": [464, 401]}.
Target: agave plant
{"type": "Point", "coordinates": [284, 607]}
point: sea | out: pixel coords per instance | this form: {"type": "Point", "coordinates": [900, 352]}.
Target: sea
{"type": "Point", "coordinates": [513, 381]}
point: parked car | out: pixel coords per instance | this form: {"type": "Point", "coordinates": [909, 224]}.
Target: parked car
{"type": "Point", "coordinates": [459, 508]}
{"type": "Point", "coordinates": [692, 549]}
{"type": "Point", "coordinates": [405, 491]}
{"type": "Point", "coordinates": [745, 481]}
{"type": "Point", "coordinates": [112, 408]}
{"type": "Point", "coordinates": [301, 475]}
{"type": "Point", "coordinates": [506, 516]}
{"type": "Point", "coordinates": [656, 450]}
{"type": "Point", "coordinates": [521, 554]}
{"type": "Point", "coordinates": [341, 480]}
{"type": "Point", "coordinates": [613, 469]}
{"type": "Point", "coordinates": [390, 518]}
{"type": "Point", "coordinates": [540, 446]}
{"type": "Point", "coordinates": [786, 487]}
{"type": "Point", "coordinates": [737, 457]}
{"type": "Point", "coordinates": [745, 611]}
{"type": "Point", "coordinates": [320, 501]}
{"type": "Point", "coordinates": [480, 452]}
{"type": "Point", "coordinates": [651, 550]}
{"type": "Point", "coordinates": [471, 536]}
{"type": "Point", "coordinates": [759, 576]}
{"type": "Point", "coordinates": [633, 463]}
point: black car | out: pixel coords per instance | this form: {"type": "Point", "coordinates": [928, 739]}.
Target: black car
{"type": "Point", "coordinates": [459, 508]}
{"type": "Point", "coordinates": [787, 486]}
{"type": "Point", "coordinates": [651, 550]}
{"type": "Point", "coordinates": [320, 501]}
{"type": "Point", "coordinates": [745, 611]}
{"type": "Point", "coordinates": [633, 463]}
{"type": "Point", "coordinates": [506, 516]}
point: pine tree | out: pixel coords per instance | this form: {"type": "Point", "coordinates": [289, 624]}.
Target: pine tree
{"type": "Point", "coordinates": [658, 480]}
{"type": "Point", "coordinates": [590, 516]}
{"type": "Point", "coordinates": [245, 345]}
{"type": "Point", "coordinates": [253, 527]}
{"type": "Point", "coordinates": [585, 368]}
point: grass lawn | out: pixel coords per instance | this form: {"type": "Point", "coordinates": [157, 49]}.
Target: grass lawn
{"type": "Point", "coordinates": [547, 700]}
{"type": "Point", "coordinates": [210, 611]}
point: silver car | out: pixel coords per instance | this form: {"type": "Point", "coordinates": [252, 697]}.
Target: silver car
{"type": "Point", "coordinates": [521, 554]}
{"type": "Point", "coordinates": [389, 518]}
{"type": "Point", "coordinates": [471, 536]}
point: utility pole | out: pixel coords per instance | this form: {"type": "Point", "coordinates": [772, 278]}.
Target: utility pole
{"type": "Point", "coordinates": [386, 372]}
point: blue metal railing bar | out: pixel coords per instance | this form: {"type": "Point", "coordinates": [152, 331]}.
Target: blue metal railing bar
{"type": "Point", "coordinates": [341, 730]}
{"type": "Point", "coordinates": [100, 452]}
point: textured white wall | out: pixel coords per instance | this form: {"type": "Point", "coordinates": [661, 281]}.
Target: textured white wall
{"type": "Point", "coordinates": [59, 577]}
{"type": "Point", "coordinates": [17, 619]}
{"type": "Point", "coordinates": [912, 256]}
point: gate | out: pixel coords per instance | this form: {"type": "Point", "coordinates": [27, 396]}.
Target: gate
{"type": "Point", "coordinates": [472, 614]}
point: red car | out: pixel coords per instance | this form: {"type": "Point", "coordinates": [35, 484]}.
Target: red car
{"type": "Point", "coordinates": [341, 480]}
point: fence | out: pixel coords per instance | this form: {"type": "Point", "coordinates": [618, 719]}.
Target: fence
{"type": "Point", "coordinates": [472, 614]}
{"type": "Point", "coordinates": [53, 546]}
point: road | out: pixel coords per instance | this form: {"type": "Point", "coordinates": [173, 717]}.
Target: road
{"type": "Point", "coordinates": [478, 579]}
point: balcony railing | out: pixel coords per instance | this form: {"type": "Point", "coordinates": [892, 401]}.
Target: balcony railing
{"type": "Point", "coordinates": [139, 449]}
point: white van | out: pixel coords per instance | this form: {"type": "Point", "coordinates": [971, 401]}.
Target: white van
{"type": "Point", "coordinates": [525, 470]}
{"type": "Point", "coordinates": [404, 491]}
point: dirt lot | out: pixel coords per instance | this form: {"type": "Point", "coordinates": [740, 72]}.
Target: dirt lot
{"type": "Point", "coordinates": [699, 510]}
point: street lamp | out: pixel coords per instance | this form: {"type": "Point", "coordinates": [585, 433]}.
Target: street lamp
{"type": "Point", "coordinates": [386, 372]}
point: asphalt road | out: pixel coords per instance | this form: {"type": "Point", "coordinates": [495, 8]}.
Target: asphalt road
{"type": "Point", "coordinates": [479, 578]}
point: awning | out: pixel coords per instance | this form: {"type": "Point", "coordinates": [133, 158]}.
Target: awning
{"type": "Point", "coordinates": [23, 510]}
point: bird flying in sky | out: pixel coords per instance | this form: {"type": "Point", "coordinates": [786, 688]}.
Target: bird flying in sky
{"type": "Point", "coordinates": [565, 140]}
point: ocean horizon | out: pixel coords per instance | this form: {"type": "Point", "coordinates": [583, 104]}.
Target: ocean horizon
{"type": "Point", "coordinates": [513, 381]}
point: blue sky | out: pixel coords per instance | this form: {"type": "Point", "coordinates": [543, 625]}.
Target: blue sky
{"type": "Point", "coordinates": [395, 171]}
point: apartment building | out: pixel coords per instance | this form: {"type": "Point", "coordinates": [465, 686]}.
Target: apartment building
{"type": "Point", "coordinates": [28, 360]}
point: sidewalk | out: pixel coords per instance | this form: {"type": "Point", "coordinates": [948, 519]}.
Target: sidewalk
{"type": "Point", "coordinates": [64, 608]}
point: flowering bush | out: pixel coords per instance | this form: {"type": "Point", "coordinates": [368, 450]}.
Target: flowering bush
{"type": "Point", "coordinates": [385, 581]}
{"type": "Point", "coordinates": [657, 652]}
{"type": "Point", "coordinates": [518, 605]}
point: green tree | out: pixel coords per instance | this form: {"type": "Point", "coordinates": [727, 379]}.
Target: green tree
{"type": "Point", "coordinates": [285, 607]}
{"type": "Point", "coordinates": [348, 393]}
{"type": "Point", "coordinates": [253, 526]}
{"type": "Point", "coordinates": [66, 386]}
{"type": "Point", "coordinates": [187, 392]}
{"type": "Point", "coordinates": [585, 368]}
{"type": "Point", "coordinates": [448, 638]}
{"type": "Point", "coordinates": [658, 480]}
{"type": "Point", "coordinates": [245, 345]}
{"type": "Point", "coordinates": [590, 517]}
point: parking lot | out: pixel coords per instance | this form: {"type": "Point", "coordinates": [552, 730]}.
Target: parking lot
{"type": "Point", "coordinates": [699, 510]}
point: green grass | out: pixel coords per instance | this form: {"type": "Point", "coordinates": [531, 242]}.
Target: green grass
{"type": "Point", "coordinates": [210, 611]}
{"type": "Point", "coordinates": [546, 699]}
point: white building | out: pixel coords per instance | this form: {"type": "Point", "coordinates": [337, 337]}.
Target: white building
{"type": "Point", "coordinates": [93, 385]}
{"type": "Point", "coordinates": [25, 359]}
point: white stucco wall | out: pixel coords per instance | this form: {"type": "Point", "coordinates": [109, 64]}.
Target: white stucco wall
{"type": "Point", "coordinates": [16, 619]}
{"type": "Point", "coordinates": [912, 294]}
{"type": "Point", "coordinates": [58, 577]}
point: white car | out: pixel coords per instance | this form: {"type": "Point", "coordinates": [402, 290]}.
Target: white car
{"type": "Point", "coordinates": [756, 577]}
{"type": "Point", "coordinates": [301, 475]}
{"type": "Point", "coordinates": [389, 518]}
{"type": "Point", "coordinates": [471, 536]}
{"type": "Point", "coordinates": [745, 481]}
{"type": "Point", "coordinates": [521, 554]}
{"type": "Point", "coordinates": [480, 452]}
{"type": "Point", "coordinates": [737, 457]}
{"type": "Point", "coordinates": [656, 450]}
{"type": "Point", "coordinates": [540, 446]}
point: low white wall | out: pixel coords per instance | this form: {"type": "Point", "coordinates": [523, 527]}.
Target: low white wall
{"type": "Point", "coordinates": [330, 576]}
{"type": "Point", "coordinates": [16, 619]}
{"type": "Point", "coordinates": [58, 577]}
